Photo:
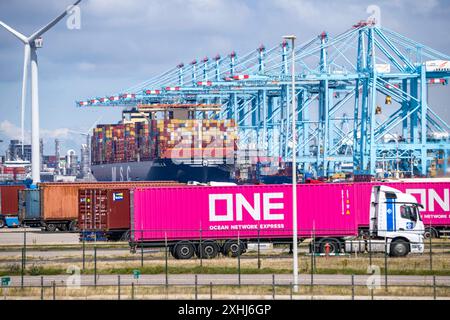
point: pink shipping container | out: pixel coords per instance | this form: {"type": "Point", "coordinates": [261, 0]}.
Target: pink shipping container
{"type": "Point", "coordinates": [334, 210]}
{"type": "Point", "coordinates": [228, 212]}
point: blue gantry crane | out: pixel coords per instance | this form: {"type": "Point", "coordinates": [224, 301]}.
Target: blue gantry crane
{"type": "Point", "coordinates": [362, 100]}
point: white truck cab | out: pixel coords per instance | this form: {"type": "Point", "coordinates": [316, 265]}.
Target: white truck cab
{"type": "Point", "coordinates": [395, 217]}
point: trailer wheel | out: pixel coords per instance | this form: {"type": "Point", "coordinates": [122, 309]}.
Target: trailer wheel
{"type": "Point", "coordinates": [125, 236]}
{"type": "Point", "coordinates": [2, 223]}
{"type": "Point", "coordinates": [173, 252]}
{"type": "Point", "coordinates": [207, 250]}
{"type": "Point", "coordinates": [50, 227]}
{"type": "Point", "coordinates": [232, 248]}
{"type": "Point", "coordinates": [62, 227]}
{"type": "Point", "coordinates": [184, 250]}
{"type": "Point", "coordinates": [431, 233]}
{"type": "Point", "coordinates": [399, 248]}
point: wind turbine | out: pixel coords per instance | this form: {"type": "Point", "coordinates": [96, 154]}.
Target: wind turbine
{"type": "Point", "coordinates": [32, 43]}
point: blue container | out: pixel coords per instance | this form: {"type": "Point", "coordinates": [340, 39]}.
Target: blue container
{"type": "Point", "coordinates": [30, 205]}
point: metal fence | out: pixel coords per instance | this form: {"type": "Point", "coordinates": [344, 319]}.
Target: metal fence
{"type": "Point", "coordinates": [107, 268]}
{"type": "Point", "coordinates": [123, 288]}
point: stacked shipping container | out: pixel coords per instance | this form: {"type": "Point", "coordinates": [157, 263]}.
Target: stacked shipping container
{"type": "Point", "coordinates": [165, 139]}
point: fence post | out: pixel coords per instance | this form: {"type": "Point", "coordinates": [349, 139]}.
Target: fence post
{"type": "Point", "coordinates": [200, 251]}
{"type": "Point", "coordinates": [210, 291]}
{"type": "Point", "coordinates": [431, 254]}
{"type": "Point", "coordinates": [385, 266]}
{"type": "Point", "coordinates": [54, 290]}
{"type": "Point", "coordinates": [142, 249]}
{"type": "Point", "coordinates": [314, 239]}
{"type": "Point", "coordinates": [312, 263]}
{"type": "Point", "coordinates": [25, 248]}
{"type": "Point", "coordinates": [370, 251]}
{"type": "Point", "coordinates": [42, 287]}
{"type": "Point", "coordinates": [166, 269]}
{"type": "Point", "coordinates": [259, 249]}
{"type": "Point", "coordinates": [22, 272]}
{"type": "Point", "coordinates": [290, 290]}
{"type": "Point", "coordinates": [118, 287]}
{"type": "Point", "coordinates": [273, 286]}
{"type": "Point", "coordinates": [132, 290]}
{"type": "Point", "coordinates": [196, 289]}
{"type": "Point", "coordinates": [239, 261]}
{"type": "Point", "coordinates": [95, 266]}
{"type": "Point", "coordinates": [353, 287]}
{"type": "Point", "coordinates": [84, 250]}
{"type": "Point", "coordinates": [434, 287]}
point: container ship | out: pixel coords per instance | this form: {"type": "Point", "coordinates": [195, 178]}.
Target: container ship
{"type": "Point", "coordinates": [165, 142]}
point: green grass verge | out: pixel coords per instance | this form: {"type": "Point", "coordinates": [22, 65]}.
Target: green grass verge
{"type": "Point", "coordinates": [37, 271]}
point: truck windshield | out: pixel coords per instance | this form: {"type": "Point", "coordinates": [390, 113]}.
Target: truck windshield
{"type": "Point", "coordinates": [416, 209]}
{"type": "Point", "coordinates": [409, 212]}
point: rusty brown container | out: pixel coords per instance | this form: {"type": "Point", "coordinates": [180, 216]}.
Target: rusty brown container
{"type": "Point", "coordinates": [9, 199]}
{"type": "Point", "coordinates": [59, 201]}
{"type": "Point", "coordinates": [104, 209]}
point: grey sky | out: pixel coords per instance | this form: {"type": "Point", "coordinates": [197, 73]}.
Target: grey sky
{"type": "Point", "coordinates": [122, 43]}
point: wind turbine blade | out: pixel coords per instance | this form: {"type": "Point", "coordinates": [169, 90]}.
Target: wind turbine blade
{"type": "Point", "coordinates": [40, 32]}
{"type": "Point", "coordinates": [17, 34]}
{"type": "Point", "coordinates": [26, 64]}
{"type": "Point", "coordinates": [94, 124]}
{"type": "Point", "coordinates": [77, 132]}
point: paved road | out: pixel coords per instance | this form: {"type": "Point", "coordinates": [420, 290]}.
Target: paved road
{"type": "Point", "coordinates": [227, 279]}
{"type": "Point", "coordinates": [35, 236]}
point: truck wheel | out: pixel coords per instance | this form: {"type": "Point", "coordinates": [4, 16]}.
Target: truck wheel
{"type": "Point", "coordinates": [73, 226]}
{"type": "Point", "coordinates": [207, 250]}
{"type": "Point", "coordinates": [333, 246]}
{"type": "Point", "coordinates": [399, 248]}
{"type": "Point", "coordinates": [232, 248]}
{"type": "Point", "coordinates": [184, 250]}
{"type": "Point", "coordinates": [62, 227]}
{"type": "Point", "coordinates": [431, 233]}
{"type": "Point", "coordinates": [2, 223]}
{"type": "Point", "coordinates": [50, 227]}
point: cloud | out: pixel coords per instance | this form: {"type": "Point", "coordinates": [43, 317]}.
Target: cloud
{"type": "Point", "coordinates": [67, 136]}
{"type": "Point", "coordinates": [86, 66]}
{"type": "Point", "coordinates": [11, 131]}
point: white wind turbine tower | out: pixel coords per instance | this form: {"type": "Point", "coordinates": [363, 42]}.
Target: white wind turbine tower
{"type": "Point", "coordinates": [32, 43]}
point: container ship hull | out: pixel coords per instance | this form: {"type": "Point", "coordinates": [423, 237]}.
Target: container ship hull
{"type": "Point", "coordinates": [160, 170]}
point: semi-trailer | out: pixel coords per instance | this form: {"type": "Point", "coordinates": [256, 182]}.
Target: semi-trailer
{"type": "Point", "coordinates": [53, 206]}
{"type": "Point", "coordinates": [9, 195]}
{"type": "Point", "coordinates": [206, 220]}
